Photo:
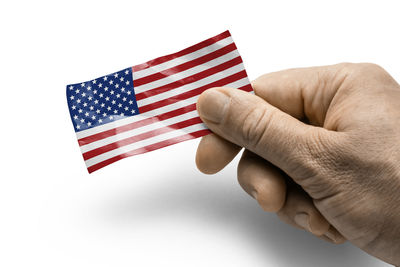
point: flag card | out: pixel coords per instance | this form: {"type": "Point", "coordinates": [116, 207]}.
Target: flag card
{"type": "Point", "coordinates": [151, 105]}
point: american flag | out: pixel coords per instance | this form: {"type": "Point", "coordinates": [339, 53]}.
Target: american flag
{"type": "Point", "coordinates": [151, 105]}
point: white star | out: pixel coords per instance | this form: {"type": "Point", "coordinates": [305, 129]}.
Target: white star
{"type": "Point", "coordinates": [107, 98]}
{"type": "Point", "coordinates": [113, 102]}
{"type": "Point", "coordinates": [73, 107]}
{"type": "Point", "coordinates": [90, 98]}
{"type": "Point", "coordinates": [115, 111]}
{"type": "Point", "coordinates": [94, 81]}
{"type": "Point", "coordinates": [124, 99]}
{"type": "Point", "coordinates": [101, 95]}
{"type": "Point", "coordinates": [111, 82]}
{"type": "Point", "coordinates": [89, 123]}
{"type": "Point", "coordinates": [83, 84]}
{"type": "Point", "coordinates": [130, 102]}
{"type": "Point", "coordinates": [77, 91]}
{"type": "Point", "coordinates": [71, 97]}
{"type": "Point", "coordinates": [87, 114]}
{"type": "Point", "coordinates": [82, 120]}
{"type": "Point", "coordinates": [127, 82]}
{"type": "Point", "coordinates": [108, 108]}
{"type": "Point", "coordinates": [85, 104]}
{"type": "Point", "coordinates": [98, 111]}
{"type": "Point", "coordinates": [111, 117]}
{"type": "Point", "coordinates": [89, 88]}
{"type": "Point", "coordinates": [127, 71]}
{"type": "Point", "coordinates": [100, 85]}
{"type": "Point", "coordinates": [96, 101]}
{"type": "Point", "coordinates": [80, 110]}
{"type": "Point", "coordinates": [133, 111]}
{"type": "Point", "coordinates": [75, 117]}
{"type": "Point", "coordinates": [94, 91]}
{"type": "Point", "coordinates": [111, 92]}
{"type": "Point", "coordinates": [78, 127]}
{"type": "Point", "coordinates": [126, 108]}
{"type": "Point", "coordinates": [118, 95]}
{"type": "Point", "coordinates": [116, 85]}
{"type": "Point", "coordinates": [100, 120]}
{"type": "Point", "coordinates": [123, 89]}
{"type": "Point", "coordinates": [106, 88]}
{"type": "Point", "coordinates": [78, 101]}
{"type": "Point", "coordinates": [121, 79]}
{"type": "Point", "coordinates": [129, 92]}
{"type": "Point", "coordinates": [93, 117]}
{"type": "Point", "coordinates": [104, 114]}
{"type": "Point", "coordinates": [102, 105]}
{"type": "Point", "coordinates": [83, 94]}
{"type": "Point", "coordinates": [116, 75]}
{"type": "Point", "coordinates": [122, 114]}
{"type": "Point", "coordinates": [71, 87]}
{"type": "Point", "coordinates": [91, 107]}
{"type": "Point", "coordinates": [120, 105]}
{"type": "Point", "coordinates": [105, 78]}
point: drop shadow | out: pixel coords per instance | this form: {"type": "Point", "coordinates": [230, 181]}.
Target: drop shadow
{"type": "Point", "coordinates": [218, 201]}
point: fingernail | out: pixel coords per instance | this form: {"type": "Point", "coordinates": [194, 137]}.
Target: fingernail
{"type": "Point", "coordinates": [303, 220]}
{"type": "Point", "coordinates": [331, 235]}
{"type": "Point", "coordinates": [254, 194]}
{"type": "Point", "coordinates": [212, 105]}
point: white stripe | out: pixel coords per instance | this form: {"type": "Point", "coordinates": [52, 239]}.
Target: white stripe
{"type": "Point", "coordinates": [149, 127]}
{"type": "Point", "coordinates": [128, 120]}
{"type": "Point", "coordinates": [190, 86]}
{"type": "Point", "coordinates": [179, 60]}
{"type": "Point", "coordinates": [139, 130]}
{"type": "Point", "coordinates": [183, 74]}
{"type": "Point", "coordinates": [143, 143]}
{"type": "Point", "coordinates": [155, 112]}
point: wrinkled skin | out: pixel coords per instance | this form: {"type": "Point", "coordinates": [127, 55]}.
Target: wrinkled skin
{"type": "Point", "coordinates": [322, 150]}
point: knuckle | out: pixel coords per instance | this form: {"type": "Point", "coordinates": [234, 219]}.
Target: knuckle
{"type": "Point", "coordinates": [370, 70]}
{"type": "Point", "coordinates": [255, 124]}
{"type": "Point", "coordinates": [345, 65]}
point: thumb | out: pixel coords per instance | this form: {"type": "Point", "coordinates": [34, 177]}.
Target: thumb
{"type": "Point", "coordinates": [249, 121]}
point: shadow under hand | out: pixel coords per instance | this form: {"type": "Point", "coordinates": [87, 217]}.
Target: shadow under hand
{"type": "Point", "coordinates": [218, 200]}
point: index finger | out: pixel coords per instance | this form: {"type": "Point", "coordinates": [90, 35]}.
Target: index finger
{"type": "Point", "coordinates": [304, 93]}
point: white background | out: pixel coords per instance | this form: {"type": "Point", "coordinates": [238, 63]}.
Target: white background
{"type": "Point", "coordinates": [155, 209]}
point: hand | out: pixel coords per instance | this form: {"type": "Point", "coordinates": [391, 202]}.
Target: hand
{"type": "Point", "coordinates": [322, 149]}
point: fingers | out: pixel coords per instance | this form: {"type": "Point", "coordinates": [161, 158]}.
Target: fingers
{"type": "Point", "coordinates": [267, 185]}
{"type": "Point", "coordinates": [334, 236]}
{"type": "Point", "coordinates": [304, 93]}
{"type": "Point", "coordinates": [300, 212]}
{"type": "Point", "coordinates": [214, 153]}
{"type": "Point", "coordinates": [262, 180]}
{"type": "Point", "coordinates": [249, 121]}
{"type": "Point", "coordinates": [294, 91]}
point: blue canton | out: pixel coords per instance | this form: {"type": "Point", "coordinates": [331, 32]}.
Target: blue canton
{"type": "Point", "coordinates": [103, 100]}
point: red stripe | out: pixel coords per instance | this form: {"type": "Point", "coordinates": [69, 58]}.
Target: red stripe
{"type": "Point", "coordinates": [133, 139]}
{"type": "Point", "coordinates": [149, 148]}
{"type": "Point", "coordinates": [189, 79]}
{"type": "Point", "coordinates": [183, 52]}
{"type": "Point", "coordinates": [144, 122]}
{"type": "Point", "coordinates": [246, 88]}
{"type": "Point", "coordinates": [184, 66]}
{"type": "Point", "coordinates": [136, 124]}
{"type": "Point", "coordinates": [194, 92]}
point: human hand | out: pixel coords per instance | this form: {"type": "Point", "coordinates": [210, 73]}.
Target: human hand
{"type": "Point", "coordinates": [322, 150]}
